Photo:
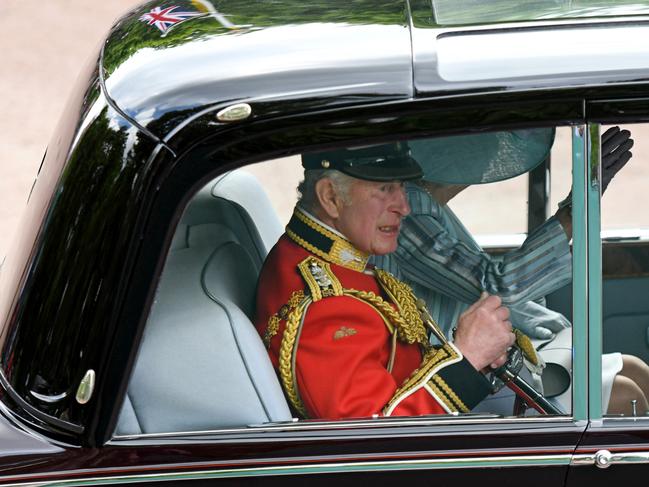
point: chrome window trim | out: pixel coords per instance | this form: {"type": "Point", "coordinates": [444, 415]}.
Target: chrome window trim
{"type": "Point", "coordinates": [540, 23]}
{"type": "Point", "coordinates": [353, 425]}
{"type": "Point", "coordinates": [617, 421]}
{"type": "Point", "coordinates": [610, 458]}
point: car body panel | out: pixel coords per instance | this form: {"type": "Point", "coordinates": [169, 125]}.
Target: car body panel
{"type": "Point", "coordinates": [141, 135]}
{"type": "Point", "coordinates": [160, 80]}
{"type": "Point", "coordinates": [421, 451]}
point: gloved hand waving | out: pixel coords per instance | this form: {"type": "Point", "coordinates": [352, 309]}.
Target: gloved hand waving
{"type": "Point", "coordinates": [616, 152]}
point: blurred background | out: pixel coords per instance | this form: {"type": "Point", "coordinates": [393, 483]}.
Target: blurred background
{"type": "Point", "coordinates": [44, 46]}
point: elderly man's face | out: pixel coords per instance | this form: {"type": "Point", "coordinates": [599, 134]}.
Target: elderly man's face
{"type": "Point", "coordinates": [371, 219]}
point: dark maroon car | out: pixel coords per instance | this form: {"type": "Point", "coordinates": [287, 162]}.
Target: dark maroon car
{"type": "Point", "coordinates": [128, 353]}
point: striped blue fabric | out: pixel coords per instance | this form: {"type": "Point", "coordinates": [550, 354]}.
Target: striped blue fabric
{"type": "Point", "coordinates": [446, 267]}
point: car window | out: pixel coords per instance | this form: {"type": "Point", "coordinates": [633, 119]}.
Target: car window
{"type": "Point", "coordinates": [207, 361]}
{"type": "Point", "coordinates": [625, 268]}
{"type": "Point", "coordinates": [447, 12]}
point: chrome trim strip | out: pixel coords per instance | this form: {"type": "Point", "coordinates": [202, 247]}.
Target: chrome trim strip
{"type": "Point", "coordinates": [362, 424]}
{"type": "Point", "coordinates": [613, 458]}
{"type": "Point", "coordinates": [49, 399]}
{"type": "Point", "coordinates": [323, 468]}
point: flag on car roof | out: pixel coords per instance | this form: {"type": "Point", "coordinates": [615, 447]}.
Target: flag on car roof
{"type": "Point", "coordinates": [163, 19]}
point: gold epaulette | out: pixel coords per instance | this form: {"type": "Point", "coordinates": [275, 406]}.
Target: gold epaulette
{"type": "Point", "coordinates": [319, 278]}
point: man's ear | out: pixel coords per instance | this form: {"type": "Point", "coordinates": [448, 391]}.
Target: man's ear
{"type": "Point", "coordinates": [328, 198]}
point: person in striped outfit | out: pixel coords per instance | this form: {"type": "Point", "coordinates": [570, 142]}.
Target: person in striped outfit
{"type": "Point", "coordinates": [446, 267]}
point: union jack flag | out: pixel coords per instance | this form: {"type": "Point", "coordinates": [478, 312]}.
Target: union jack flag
{"type": "Point", "coordinates": [163, 19]}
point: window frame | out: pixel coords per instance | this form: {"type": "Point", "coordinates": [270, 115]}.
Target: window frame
{"type": "Point", "coordinates": [401, 123]}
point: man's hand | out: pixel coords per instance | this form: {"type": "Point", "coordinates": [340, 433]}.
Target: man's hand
{"type": "Point", "coordinates": [484, 333]}
{"type": "Point", "coordinates": [616, 152]}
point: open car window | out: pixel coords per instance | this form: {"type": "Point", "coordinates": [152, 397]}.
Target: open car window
{"type": "Point", "coordinates": [625, 279]}
{"type": "Point", "coordinates": [203, 365]}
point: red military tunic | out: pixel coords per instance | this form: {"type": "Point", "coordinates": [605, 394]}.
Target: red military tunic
{"type": "Point", "coordinates": [345, 341]}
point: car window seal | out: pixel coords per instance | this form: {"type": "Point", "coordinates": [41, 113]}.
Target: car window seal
{"type": "Point", "coordinates": [35, 412]}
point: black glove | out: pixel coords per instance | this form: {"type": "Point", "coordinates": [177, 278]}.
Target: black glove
{"type": "Point", "coordinates": [616, 145]}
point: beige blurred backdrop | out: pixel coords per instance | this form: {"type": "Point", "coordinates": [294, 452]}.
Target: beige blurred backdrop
{"type": "Point", "coordinates": [43, 46]}
{"type": "Point", "coordinates": [46, 43]}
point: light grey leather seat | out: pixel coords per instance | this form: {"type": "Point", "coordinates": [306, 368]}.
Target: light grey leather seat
{"type": "Point", "coordinates": [201, 364]}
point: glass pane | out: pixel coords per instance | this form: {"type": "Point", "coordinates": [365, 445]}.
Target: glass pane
{"type": "Point", "coordinates": [272, 309]}
{"type": "Point", "coordinates": [625, 269]}
{"type": "Point", "coordinates": [456, 12]}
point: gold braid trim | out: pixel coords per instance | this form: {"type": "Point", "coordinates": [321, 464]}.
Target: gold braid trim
{"type": "Point", "coordinates": [273, 322]}
{"type": "Point", "coordinates": [385, 309]}
{"type": "Point", "coordinates": [432, 358]}
{"type": "Point", "coordinates": [287, 350]}
{"type": "Point", "coordinates": [450, 393]}
{"type": "Point", "coordinates": [450, 407]}
{"type": "Point", "coordinates": [319, 278]}
{"type": "Point", "coordinates": [342, 252]}
{"type": "Point", "coordinates": [388, 324]}
{"type": "Point", "coordinates": [412, 328]}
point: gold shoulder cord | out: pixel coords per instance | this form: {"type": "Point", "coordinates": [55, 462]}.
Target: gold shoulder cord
{"type": "Point", "coordinates": [410, 324]}
{"type": "Point", "coordinates": [287, 352]}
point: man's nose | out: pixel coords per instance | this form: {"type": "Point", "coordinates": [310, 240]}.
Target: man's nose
{"type": "Point", "coordinates": [401, 205]}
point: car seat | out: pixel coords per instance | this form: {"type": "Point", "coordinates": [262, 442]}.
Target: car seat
{"type": "Point", "coordinates": [201, 363]}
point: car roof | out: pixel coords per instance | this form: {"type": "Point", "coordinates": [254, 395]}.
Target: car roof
{"type": "Point", "coordinates": [261, 52]}
{"type": "Point", "coordinates": [289, 56]}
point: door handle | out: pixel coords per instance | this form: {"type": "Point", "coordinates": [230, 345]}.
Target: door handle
{"type": "Point", "coordinates": [604, 458]}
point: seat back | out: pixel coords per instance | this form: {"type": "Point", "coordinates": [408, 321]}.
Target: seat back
{"type": "Point", "coordinates": [202, 364]}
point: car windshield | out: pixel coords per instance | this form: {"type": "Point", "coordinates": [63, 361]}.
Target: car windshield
{"type": "Point", "coordinates": [460, 12]}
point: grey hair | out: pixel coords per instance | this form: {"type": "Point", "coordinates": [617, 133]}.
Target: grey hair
{"type": "Point", "coordinates": [306, 189]}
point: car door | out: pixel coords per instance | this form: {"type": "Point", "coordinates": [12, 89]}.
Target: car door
{"type": "Point", "coordinates": [615, 447]}
{"type": "Point", "coordinates": [467, 448]}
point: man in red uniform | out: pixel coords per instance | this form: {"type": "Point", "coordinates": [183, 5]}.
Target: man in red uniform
{"type": "Point", "coordinates": [349, 340]}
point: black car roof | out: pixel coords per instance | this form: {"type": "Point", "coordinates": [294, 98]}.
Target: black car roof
{"type": "Point", "coordinates": [162, 74]}
{"type": "Point", "coordinates": [255, 52]}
